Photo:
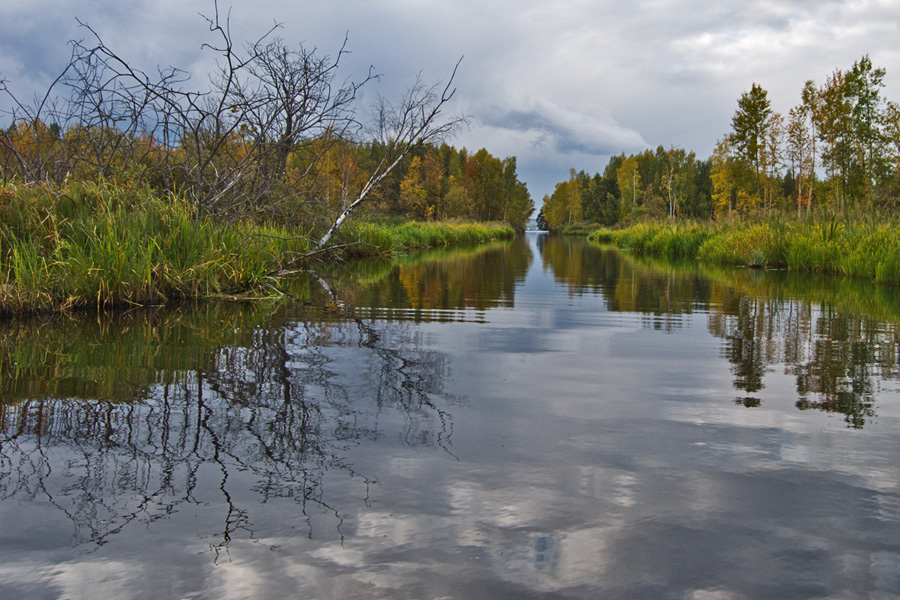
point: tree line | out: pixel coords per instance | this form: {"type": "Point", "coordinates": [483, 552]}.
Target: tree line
{"type": "Point", "coordinates": [838, 150]}
{"type": "Point", "coordinates": [647, 185]}
{"type": "Point", "coordinates": [433, 182]}
{"type": "Point", "coordinates": [443, 182]}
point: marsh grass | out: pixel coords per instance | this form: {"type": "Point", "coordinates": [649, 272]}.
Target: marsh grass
{"type": "Point", "coordinates": [578, 229]}
{"type": "Point", "coordinates": [104, 244]}
{"type": "Point", "coordinates": [860, 248]}
{"type": "Point", "coordinates": [382, 238]}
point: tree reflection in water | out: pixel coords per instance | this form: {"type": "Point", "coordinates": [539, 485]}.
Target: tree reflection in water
{"type": "Point", "coordinates": [278, 404]}
{"type": "Point", "coordinates": [836, 358]}
{"type": "Point", "coordinates": [836, 338]}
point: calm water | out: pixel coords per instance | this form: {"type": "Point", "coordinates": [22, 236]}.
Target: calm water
{"type": "Point", "coordinates": [541, 419]}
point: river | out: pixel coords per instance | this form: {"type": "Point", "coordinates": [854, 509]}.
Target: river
{"type": "Point", "coordinates": [543, 418]}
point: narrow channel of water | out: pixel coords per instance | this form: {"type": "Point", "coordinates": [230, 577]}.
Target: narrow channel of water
{"type": "Point", "coordinates": [542, 418]}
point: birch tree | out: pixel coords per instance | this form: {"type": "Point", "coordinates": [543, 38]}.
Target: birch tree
{"type": "Point", "coordinates": [799, 151]}
{"type": "Point", "coordinates": [749, 127]}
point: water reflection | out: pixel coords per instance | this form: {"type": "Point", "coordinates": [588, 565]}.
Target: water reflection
{"type": "Point", "coordinates": [809, 327]}
{"type": "Point", "coordinates": [123, 421]}
{"type": "Point", "coordinates": [661, 295]}
{"type": "Point", "coordinates": [549, 419]}
{"type": "Point", "coordinates": [451, 284]}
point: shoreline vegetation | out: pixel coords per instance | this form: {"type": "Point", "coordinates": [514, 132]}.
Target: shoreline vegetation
{"type": "Point", "coordinates": [816, 189]}
{"type": "Point", "coordinates": [132, 184]}
{"type": "Point", "coordinates": [865, 249]}
{"type": "Point", "coordinates": [109, 244]}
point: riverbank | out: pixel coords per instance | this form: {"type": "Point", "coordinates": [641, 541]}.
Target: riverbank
{"type": "Point", "coordinates": [104, 244]}
{"type": "Point", "coordinates": [866, 249]}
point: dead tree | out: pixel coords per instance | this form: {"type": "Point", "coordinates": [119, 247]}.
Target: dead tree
{"type": "Point", "coordinates": [418, 119]}
{"type": "Point", "coordinates": [226, 146]}
{"type": "Point", "coordinates": [31, 148]}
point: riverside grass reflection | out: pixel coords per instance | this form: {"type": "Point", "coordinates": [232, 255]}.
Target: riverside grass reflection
{"type": "Point", "coordinates": [445, 284]}
{"type": "Point", "coordinates": [837, 338]}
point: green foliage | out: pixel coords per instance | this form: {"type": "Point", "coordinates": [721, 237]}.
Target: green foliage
{"type": "Point", "coordinates": [765, 165]}
{"type": "Point", "coordinates": [749, 126]}
{"type": "Point", "coordinates": [647, 185]}
{"type": "Point", "coordinates": [564, 205]}
{"type": "Point", "coordinates": [441, 182]}
{"type": "Point", "coordinates": [578, 228]}
{"type": "Point", "coordinates": [856, 249]}
{"type": "Point", "coordinates": [379, 238]}
{"type": "Point", "coordinates": [104, 245]}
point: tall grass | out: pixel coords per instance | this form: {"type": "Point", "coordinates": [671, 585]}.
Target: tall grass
{"type": "Point", "coordinates": [102, 244]}
{"type": "Point", "coordinates": [385, 237]}
{"type": "Point", "coordinates": [859, 249]}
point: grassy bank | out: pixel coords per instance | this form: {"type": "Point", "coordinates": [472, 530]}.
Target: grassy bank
{"type": "Point", "coordinates": [103, 244]}
{"type": "Point", "coordinates": [578, 229]}
{"type": "Point", "coordinates": [390, 236]}
{"type": "Point", "coordinates": [863, 249]}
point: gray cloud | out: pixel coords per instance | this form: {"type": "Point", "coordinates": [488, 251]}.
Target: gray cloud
{"type": "Point", "coordinates": [555, 128]}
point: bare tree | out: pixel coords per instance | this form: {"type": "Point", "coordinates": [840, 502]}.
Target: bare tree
{"type": "Point", "coordinates": [31, 148]}
{"type": "Point", "coordinates": [416, 120]}
{"type": "Point", "coordinates": [209, 146]}
{"type": "Point", "coordinates": [227, 146]}
{"type": "Point", "coordinates": [297, 98]}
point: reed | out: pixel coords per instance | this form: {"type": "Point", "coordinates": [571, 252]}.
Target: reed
{"type": "Point", "coordinates": [862, 248]}
{"type": "Point", "coordinates": [376, 238]}
{"type": "Point", "coordinates": [102, 244]}
{"type": "Point", "coordinates": [577, 229]}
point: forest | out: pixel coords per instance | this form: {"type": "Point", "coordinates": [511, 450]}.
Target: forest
{"type": "Point", "coordinates": [836, 152]}
{"type": "Point", "coordinates": [432, 182]}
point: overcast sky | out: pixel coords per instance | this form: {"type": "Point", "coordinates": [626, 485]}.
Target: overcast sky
{"type": "Point", "coordinates": [559, 84]}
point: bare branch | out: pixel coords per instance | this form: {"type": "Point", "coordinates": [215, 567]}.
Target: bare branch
{"type": "Point", "coordinates": [272, 132]}
{"type": "Point", "coordinates": [401, 128]}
